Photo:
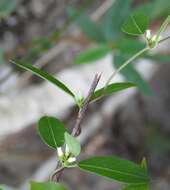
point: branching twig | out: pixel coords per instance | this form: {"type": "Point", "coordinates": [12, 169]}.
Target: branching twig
{"type": "Point", "coordinates": [164, 39]}
{"type": "Point", "coordinates": [55, 172]}
{"type": "Point", "coordinates": [77, 128]}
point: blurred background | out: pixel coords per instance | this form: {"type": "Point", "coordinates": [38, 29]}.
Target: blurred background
{"type": "Point", "coordinates": [51, 34]}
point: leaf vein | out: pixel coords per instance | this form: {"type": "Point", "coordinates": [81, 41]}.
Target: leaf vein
{"type": "Point", "coordinates": [136, 24]}
{"type": "Point", "coordinates": [112, 170]}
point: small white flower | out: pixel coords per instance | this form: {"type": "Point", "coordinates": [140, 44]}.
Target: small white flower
{"type": "Point", "coordinates": [67, 152]}
{"type": "Point", "coordinates": [148, 34]}
{"type": "Point", "coordinates": [71, 159]}
{"type": "Point", "coordinates": [60, 152]}
{"type": "Point", "coordinates": [154, 38]}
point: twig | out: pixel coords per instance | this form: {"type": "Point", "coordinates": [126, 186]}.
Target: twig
{"type": "Point", "coordinates": [77, 128]}
{"type": "Point", "coordinates": [164, 39]}
{"type": "Point", "coordinates": [124, 65]}
{"type": "Point", "coordinates": [55, 172]}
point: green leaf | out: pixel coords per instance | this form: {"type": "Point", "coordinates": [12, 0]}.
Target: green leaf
{"type": "Point", "coordinates": [91, 29]}
{"type": "Point", "coordinates": [144, 164]}
{"type": "Point", "coordinates": [114, 18]}
{"type": "Point", "coordinates": [46, 186]}
{"type": "Point", "coordinates": [111, 88]}
{"type": "Point", "coordinates": [92, 54]}
{"type": "Point", "coordinates": [51, 131]}
{"type": "Point", "coordinates": [136, 24]}
{"type": "Point", "coordinates": [115, 168]}
{"type": "Point", "coordinates": [130, 73]}
{"type": "Point", "coordinates": [42, 74]}
{"type": "Point", "coordinates": [129, 46]}
{"type": "Point", "coordinates": [137, 187]}
{"type": "Point", "coordinates": [7, 7]}
{"type": "Point", "coordinates": [73, 144]}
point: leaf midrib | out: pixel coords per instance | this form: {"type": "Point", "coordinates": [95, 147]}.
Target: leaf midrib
{"type": "Point", "coordinates": [133, 20]}
{"type": "Point", "coordinates": [52, 133]}
{"type": "Point", "coordinates": [112, 170]}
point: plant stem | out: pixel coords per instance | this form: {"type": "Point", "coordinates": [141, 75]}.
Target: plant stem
{"type": "Point", "coordinates": [163, 27]}
{"type": "Point", "coordinates": [130, 60]}
{"type": "Point", "coordinates": [125, 64]}
{"type": "Point", "coordinates": [168, 37]}
{"type": "Point", "coordinates": [55, 172]}
{"type": "Point", "coordinates": [77, 128]}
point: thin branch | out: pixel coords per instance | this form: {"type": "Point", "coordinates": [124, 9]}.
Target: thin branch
{"type": "Point", "coordinates": [164, 39]}
{"type": "Point", "coordinates": [124, 65]}
{"type": "Point", "coordinates": [55, 172]}
{"type": "Point", "coordinates": [77, 128]}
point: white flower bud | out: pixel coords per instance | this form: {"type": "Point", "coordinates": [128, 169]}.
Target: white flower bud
{"type": "Point", "coordinates": [60, 152]}
{"type": "Point", "coordinates": [148, 34]}
{"type": "Point", "coordinates": [154, 38]}
{"type": "Point", "coordinates": [67, 152]}
{"type": "Point", "coordinates": [71, 159]}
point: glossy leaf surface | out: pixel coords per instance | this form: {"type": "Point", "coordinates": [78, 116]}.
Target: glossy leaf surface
{"type": "Point", "coordinates": [111, 88]}
{"type": "Point", "coordinates": [136, 24]}
{"type": "Point", "coordinates": [116, 169]}
{"type": "Point", "coordinates": [137, 187]}
{"type": "Point", "coordinates": [46, 186]}
{"type": "Point", "coordinates": [51, 131]}
{"type": "Point", "coordinates": [73, 144]}
{"type": "Point", "coordinates": [44, 75]}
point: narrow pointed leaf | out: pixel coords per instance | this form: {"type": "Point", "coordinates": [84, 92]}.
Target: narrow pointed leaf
{"type": "Point", "coordinates": [73, 144]}
{"type": "Point", "coordinates": [46, 186]}
{"type": "Point", "coordinates": [42, 74]}
{"type": "Point", "coordinates": [51, 131]}
{"type": "Point", "coordinates": [137, 187]}
{"type": "Point", "coordinates": [92, 54]}
{"type": "Point", "coordinates": [111, 88]}
{"type": "Point", "coordinates": [136, 24]}
{"type": "Point", "coordinates": [116, 169]}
